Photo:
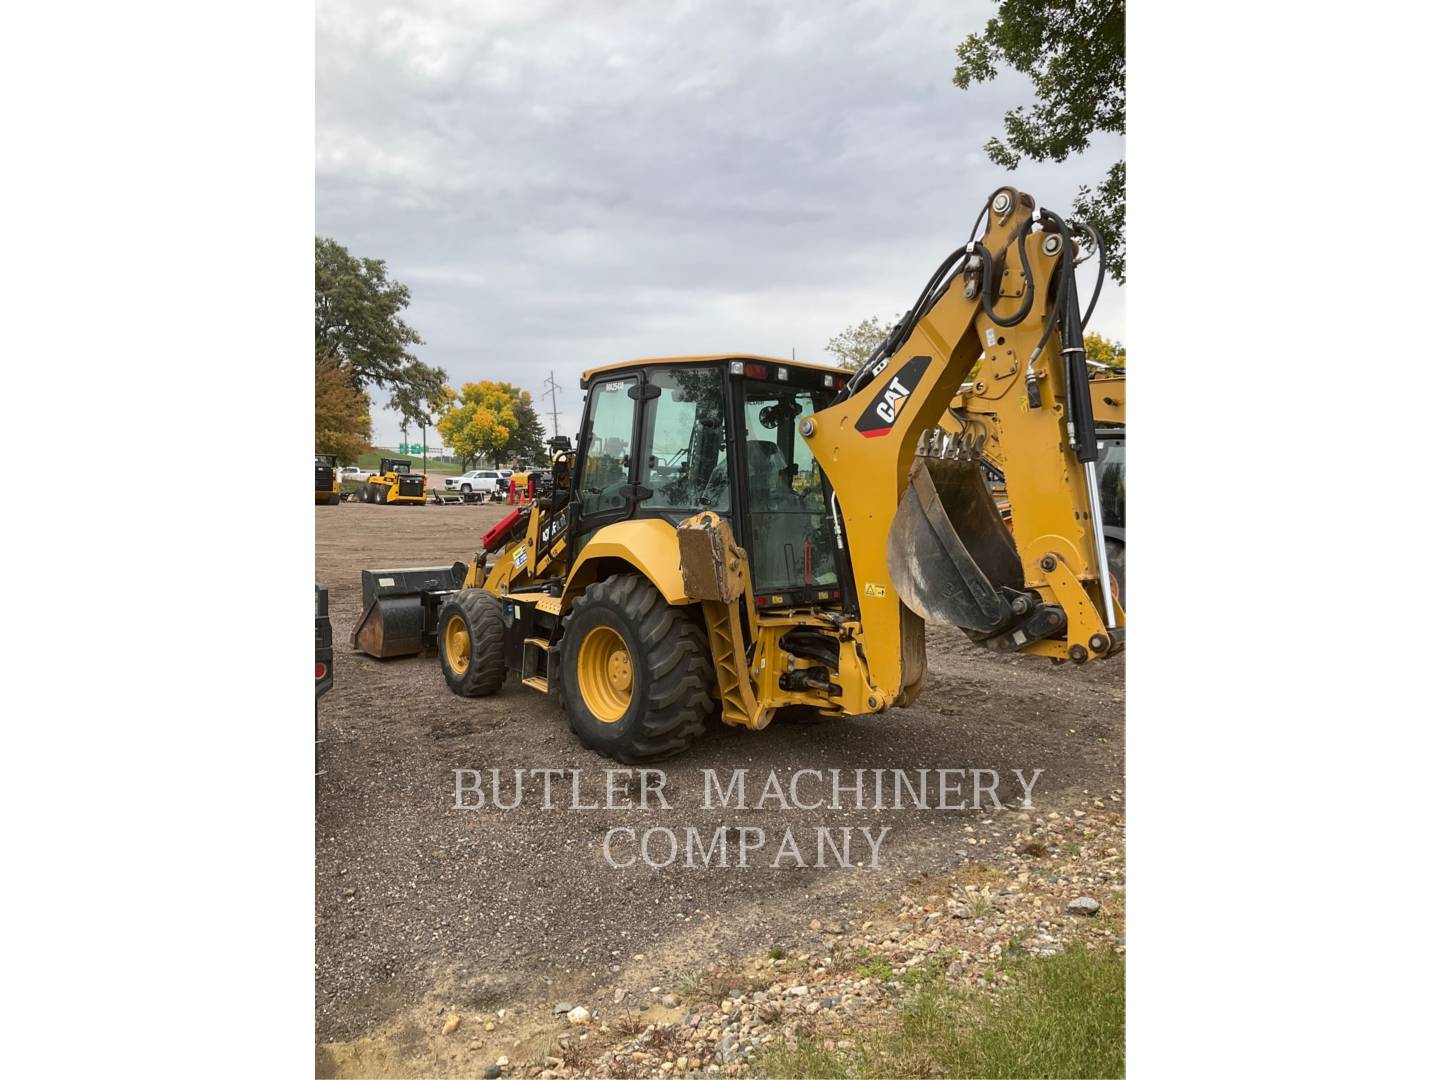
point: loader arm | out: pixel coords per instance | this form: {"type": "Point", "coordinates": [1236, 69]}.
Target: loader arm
{"type": "Point", "coordinates": [997, 308]}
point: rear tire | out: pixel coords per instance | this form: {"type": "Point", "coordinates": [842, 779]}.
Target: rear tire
{"type": "Point", "coordinates": [472, 643]}
{"type": "Point", "coordinates": [1115, 556]}
{"type": "Point", "coordinates": [635, 672]}
{"type": "Point", "coordinates": [334, 500]}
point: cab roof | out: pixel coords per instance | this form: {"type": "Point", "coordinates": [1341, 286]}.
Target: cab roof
{"type": "Point", "coordinates": [661, 361]}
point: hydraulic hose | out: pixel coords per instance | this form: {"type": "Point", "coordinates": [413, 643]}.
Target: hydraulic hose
{"type": "Point", "coordinates": [1099, 274]}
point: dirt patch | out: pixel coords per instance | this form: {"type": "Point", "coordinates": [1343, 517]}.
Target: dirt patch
{"type": "Point", "coordinates": [421, 908]}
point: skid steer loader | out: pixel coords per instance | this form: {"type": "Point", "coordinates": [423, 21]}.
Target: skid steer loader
{"type": "Point", "coordinates": [736, 535]}
{"type": "Point", "coordinates": [394, 485]}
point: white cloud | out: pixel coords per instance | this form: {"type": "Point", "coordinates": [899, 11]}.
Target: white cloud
{"type": "Point", "coordinates": [562, 185]}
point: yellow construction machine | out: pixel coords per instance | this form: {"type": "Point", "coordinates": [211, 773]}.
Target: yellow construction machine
{"type": "Point", "coordinates": [327, 480]}
{"type": "Point", "coordinates": [393, 484]}
{"type": "Point", "coordinates": [737, 535]}
{"type": "Point", "coordinates": [1107, 403]}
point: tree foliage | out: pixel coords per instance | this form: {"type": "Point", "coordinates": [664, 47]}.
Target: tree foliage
{"type": "Point", "coordinates": [853, 345]}
{"type": "Point", "coordinates": [357, 321]}
{"type": "Point", "coordinates": [527, 443]}
{"type": "Point", "coordinates": [493, 420]}
{"type": "Point", "coordinates": [1104, 351]}
{"type": "Point", "coordinates": [1073, 52]}
{"type": "Point", "coordinates": [342, 413]}
{"type": "Point", "coordinates": [419, 397]}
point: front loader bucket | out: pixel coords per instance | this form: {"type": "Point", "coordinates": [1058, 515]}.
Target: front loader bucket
{"type": "Point", "coordinates": [949, 552]}
{"type": "Point", "coordinates": [399, 607]}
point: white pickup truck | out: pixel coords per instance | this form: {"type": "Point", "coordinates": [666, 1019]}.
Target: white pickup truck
{"type": "Point", "coordinates": [487, 481]}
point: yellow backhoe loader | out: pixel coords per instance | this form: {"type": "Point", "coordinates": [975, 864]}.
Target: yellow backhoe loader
{"type": "Point", "coordinates": [736, 535]}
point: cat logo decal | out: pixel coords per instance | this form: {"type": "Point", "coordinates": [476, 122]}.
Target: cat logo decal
{"type": "Point", "coordinates": [880, 415]}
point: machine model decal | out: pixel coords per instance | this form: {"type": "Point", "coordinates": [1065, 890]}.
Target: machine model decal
{"type": "Point", "coordinates": [879, 416]}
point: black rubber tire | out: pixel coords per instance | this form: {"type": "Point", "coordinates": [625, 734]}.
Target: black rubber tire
{"type": "Point", "coordinates": [465, 489]}
{"type": "Point", "coordinates": [1115, 556]}
{"type": "Point", "coordinates": [368, 494]}
{"type": "Point", "coordinates": [334, 500]}
{"type": "Point", "coordinates": [670, 656]}
{"type": "Point", "coordinates": [485, 621]}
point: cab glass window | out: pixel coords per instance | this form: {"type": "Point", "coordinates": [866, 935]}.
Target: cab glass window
{"type": "Point", "coordinates": [607, 454]}
{"type": "Point", "coordinates": [1112, 481]}
{"type": "Point", "coordinates": [685, 467]}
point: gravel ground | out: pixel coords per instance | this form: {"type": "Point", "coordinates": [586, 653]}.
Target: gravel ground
{"type": "Point", "coordinates": [420, 906]}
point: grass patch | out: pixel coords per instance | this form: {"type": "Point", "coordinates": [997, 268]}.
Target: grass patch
{"type": "Point", "coordinates": [874, 967]}
{"type": "Point", "coordinates": [1064, 1017]}
{"type": "Point", "coordinates": [716, 986]}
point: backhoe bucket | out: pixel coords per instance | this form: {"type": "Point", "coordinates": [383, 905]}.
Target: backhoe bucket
{"type": "Point", "coordinates": [399, 608]}
{"type": "Point", "coordinates": [950, 552]}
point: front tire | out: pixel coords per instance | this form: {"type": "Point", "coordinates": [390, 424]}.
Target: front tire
{"type": "Point", "coordinates": [472, 643]}
{"type": "Point", "coordinates": [635, 672]}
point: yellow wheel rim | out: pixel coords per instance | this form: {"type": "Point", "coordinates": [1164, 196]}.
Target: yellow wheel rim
{"type": "Point", "coordinates": [605, 674]}
{"type": "Point", "coordinates": [457, 644]}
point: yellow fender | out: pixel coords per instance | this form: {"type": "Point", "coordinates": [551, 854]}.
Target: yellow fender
{"type": "Point", "coordinates": [650, 547]}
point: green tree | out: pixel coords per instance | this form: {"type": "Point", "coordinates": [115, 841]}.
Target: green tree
{"type": "Point", "coordinates": [419, 396]}
{"type": "Point", "coordinates": [853, 345]}
{"type": "Point", "coordinates": [1073, 52]}
{"type": "Point", "coordinates": [342, 413]}
{"type": "Point", "coordinates": [480, 421]}
{"type": "Point", "coordinates": [357, 321]}
{"type": "Point", "coordinates": [527, 441]}
{"type": "Point", "coordinates": [1104, 351]}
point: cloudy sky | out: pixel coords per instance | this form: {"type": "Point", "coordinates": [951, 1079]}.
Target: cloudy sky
{"type": "Point", "coordinates": [567, 184]}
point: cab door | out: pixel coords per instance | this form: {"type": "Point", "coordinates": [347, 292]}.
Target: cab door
{"type": "Point", "coordinates": [605, 485]}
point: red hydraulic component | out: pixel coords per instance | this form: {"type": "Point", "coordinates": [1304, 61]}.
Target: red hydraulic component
{"type": "Point", "coordinates": [495, 539]}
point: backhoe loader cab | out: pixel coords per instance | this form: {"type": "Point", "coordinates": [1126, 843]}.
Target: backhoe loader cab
{"type": "Point", "coordinates": [664, 440]}
{"type": "Point", "coordinates": [327, 480]}
{"type": "Point", "coordinates": [394, 484]}
{"type": "Point", "coordinates": [736, 535]}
